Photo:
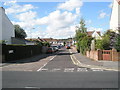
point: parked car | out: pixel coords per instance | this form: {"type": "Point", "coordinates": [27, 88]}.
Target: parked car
{"type": "Point", "coordinates": [68, 47]}
{"type": "Point", "coordinates": [55, 47]}
{"type": "Point", "coordinates": [50, 50]}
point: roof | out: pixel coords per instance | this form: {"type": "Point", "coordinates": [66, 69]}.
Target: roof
{"type": "Point", "coordinates": [33, 39]}
{"type": "Point", "coordinates": [49, 39]}
{"type": "Point", "coordinates": [89, 33]}
{"type": "Point", "coordinates": [118, 2]}
{"type": "Point", "coordinates": [43, 39]}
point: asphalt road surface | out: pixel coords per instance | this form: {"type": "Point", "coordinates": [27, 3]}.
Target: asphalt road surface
{"type": "Point", "coordinates": [58, 72]}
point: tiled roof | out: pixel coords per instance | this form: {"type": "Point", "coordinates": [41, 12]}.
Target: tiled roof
{"type": "Point", "coordinates": [89, 33]}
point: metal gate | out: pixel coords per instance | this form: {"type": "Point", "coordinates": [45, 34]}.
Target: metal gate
{"type": "Point", "coordinates": [107, 55]}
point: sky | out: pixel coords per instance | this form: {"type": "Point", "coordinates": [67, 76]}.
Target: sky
{"type": "Point", "coordinates": [58, 19]}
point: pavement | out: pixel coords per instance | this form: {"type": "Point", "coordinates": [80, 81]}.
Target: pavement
{"type": "Point", "coordinates": [84, 61]}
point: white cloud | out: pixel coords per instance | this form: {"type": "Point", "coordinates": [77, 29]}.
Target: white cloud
{"type": "Point", "coordinates": [61, 33]}
{"type": "Point", "coordinates": [70, 5]}
{"type": "Point", "coordinates": [102, 15]}
{"type": "Point", "coordinates": [58, 24]}
{"type": "Point", "coordinates": [78, 11]}
{"type": "Point", "coordinates": [95, 29]}
{"type": "Point", "coordinates": [110, 5]}
{"type": "Point", "coordinates": [27, 16]}
{"type": "Point", "coordinates": [8, 3]}
{"type": "Point", "coordinates": [19, 8]}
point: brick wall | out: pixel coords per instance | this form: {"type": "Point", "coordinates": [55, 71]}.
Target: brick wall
{"type": "Point", "coordinates": [115, 55]}
{"type": "Point", "coordinates": [98, 55]}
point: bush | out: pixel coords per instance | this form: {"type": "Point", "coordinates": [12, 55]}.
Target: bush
{"type": "Point", "coordinates": [103, 43]}
{"type": "Point", "coordinates": [46, 44]}
{"type": "Point", "coordinates": [20, 51]}
{"type": "Point", "coordinates": [85, 44]}
{"type": "Point", "coordinates": [117, 45]}
{"type": "Point", "coordinates": [3, 41]}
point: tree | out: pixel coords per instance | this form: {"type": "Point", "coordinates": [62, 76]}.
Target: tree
{"type": "Point", "coordinates": [19, 32]}
{"type": "Point", "coordinates": [82, 28]}
{"type": "Point", "coordinates": [117, 45]}
{"type": "Point", "coordinates": [83, 40]}
{"type": "Point", "coordinates": [64, 43]}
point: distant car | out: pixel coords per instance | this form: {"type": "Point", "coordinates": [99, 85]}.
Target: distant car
{"type": "Point", "coordinates": [67, 47]}
{"type": "Point", "coordinates": [50, 50]}
{"type": "Point", "coordinates": [59, 46]}
{"type": "Point", "coordinates": [55, 48]}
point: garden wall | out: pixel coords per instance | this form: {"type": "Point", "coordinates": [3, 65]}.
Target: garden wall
{"type": "Point", "coordinates": [110, 55]}
{"type": "Point", "coordinates": [16, 52]}
{"type": "Point", "coordinates": [96, 55]}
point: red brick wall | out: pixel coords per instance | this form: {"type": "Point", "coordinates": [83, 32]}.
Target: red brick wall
{"type": "Point", "coordinates": [93, 54]}
{"type": "Point", "coordinates": [97, 55]}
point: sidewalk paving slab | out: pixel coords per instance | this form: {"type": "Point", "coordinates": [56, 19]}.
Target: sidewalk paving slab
{"type": "Point", "coordinates": [87, 61]}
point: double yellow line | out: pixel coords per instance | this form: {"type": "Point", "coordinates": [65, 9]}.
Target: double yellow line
{"type": "Point", "coordinates": [78, 63]}
{"type": "Point", "coordinates": [74, 60]}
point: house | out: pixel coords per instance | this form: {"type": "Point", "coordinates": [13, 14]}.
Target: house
{"type": "Point", "coordinates": [50, 40]}
{"type": "Point", "coordinates": [32, 41]}
{"type": "Point", "coordinates": [6, 27]}
{"type": "Point", "coordinates": [27, 42]}
{"type": "Point", "coordinates": [94, 34]}
{"type": "Point", "coordinates": [115, 16]}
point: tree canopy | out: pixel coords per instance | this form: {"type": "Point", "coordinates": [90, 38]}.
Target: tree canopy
{"type": "Point", "coordinates": [83, 40]}
{"type": "Point", "coordinates": [19, 32]}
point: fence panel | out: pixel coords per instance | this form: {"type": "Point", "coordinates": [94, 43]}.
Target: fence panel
{"type": "Point", "coordinates": [107, 55]}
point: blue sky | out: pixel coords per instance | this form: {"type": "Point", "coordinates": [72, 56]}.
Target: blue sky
{"type": "Point", "coordinates": [58, 19]}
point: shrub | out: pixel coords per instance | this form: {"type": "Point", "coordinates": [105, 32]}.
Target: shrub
{"type": "Point", "coordinates": [85, 44]}
{"type": "Point", "coordinates": [117, 45]}
{"type": "Point", "coordinates": [3, 41]}
{"type": "Point", "coordinates": [103, 43]}
{"type": "Point", "coordinates": [46, 44]}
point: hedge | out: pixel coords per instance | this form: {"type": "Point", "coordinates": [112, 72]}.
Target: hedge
{"type": "Point", "coordinates": [16, 52]}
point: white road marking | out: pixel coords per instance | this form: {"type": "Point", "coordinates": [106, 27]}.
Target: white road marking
{"type": "Point", "coordinates": [46, 63]}
{"type": "Point", "coordinates": [96, 69]}
{"type": "Point", "coordinates": [68, 69]}
{"type": "Point", "coordinates": [56, 69]}
{"type": "Point", "coordinates": [44, 69]}
{"type": "Point", "coordinates": [81, 69]}
{"type": "Point", "coordinates": [32, 87]}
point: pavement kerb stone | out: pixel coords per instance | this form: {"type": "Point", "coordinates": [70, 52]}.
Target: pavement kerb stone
{"type": "Point", "coordinates": [90, 66]}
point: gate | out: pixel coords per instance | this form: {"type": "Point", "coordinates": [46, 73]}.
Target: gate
{"type": "Point", "coordinates": [107, 55]}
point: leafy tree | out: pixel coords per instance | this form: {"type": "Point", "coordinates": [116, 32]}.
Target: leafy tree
{"type": "Point", "coordinates": [83, 29]}
{"type": "Point", "coordinates": [108, 41]}
{"type": "Point", "coordinates": [64, 43]}
{"type": "Point", "coordinates": [46, 44]}
{"type": "Point", "coordinates": [117, 45]}
{"type": "Point", "coordinates": [19, 32]}
{"type": "Point", "coordinates": [83, 40]}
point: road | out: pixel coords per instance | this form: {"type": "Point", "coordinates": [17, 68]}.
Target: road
{"type": "Point", "coordinates": [56, 71]}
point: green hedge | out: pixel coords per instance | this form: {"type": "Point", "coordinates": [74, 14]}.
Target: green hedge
{"type": "Point", "coordinates": [20, 51]}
